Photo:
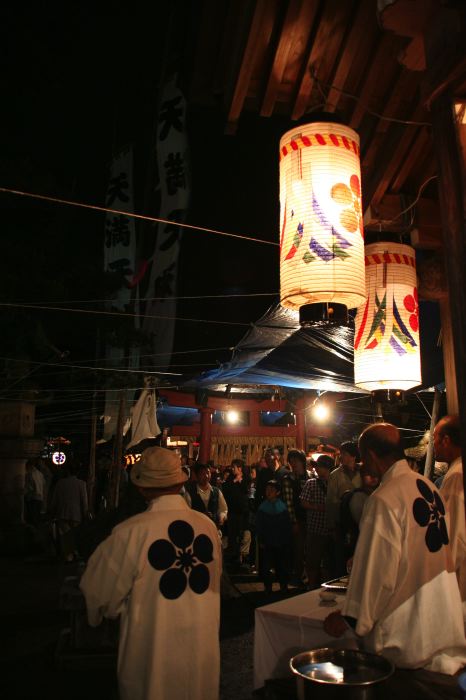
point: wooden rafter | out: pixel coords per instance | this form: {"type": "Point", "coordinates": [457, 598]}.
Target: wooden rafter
{"type": "Point", "coordinates": [373, 79]}
{"type": "Point", "coordinates": [358, 42]}
{"type": "Point", "coordinates": [417, 149]}
{"type": "Point", "coordinates": [261, 29]}
{"type": "Point", "coordinates": [322, 53]}
{"type": "Point", "coordinates": [389, 138]}
{"type": "Point", "coordinates": [299, 18]}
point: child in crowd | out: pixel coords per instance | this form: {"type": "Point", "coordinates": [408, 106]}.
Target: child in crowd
{"type": "Point", "coordinates": [273, 528]}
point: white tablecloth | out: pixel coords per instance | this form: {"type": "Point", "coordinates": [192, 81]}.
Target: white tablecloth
{"type": "Point", "coordinates": [289, 627]}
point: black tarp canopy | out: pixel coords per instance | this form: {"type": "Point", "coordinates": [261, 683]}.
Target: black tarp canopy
{"type": "Point", "coordinates": [277, 351]}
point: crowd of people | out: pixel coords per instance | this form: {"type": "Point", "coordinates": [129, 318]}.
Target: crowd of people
{"type": "Point", "coordinates": [406, 553]}
{"type": "Point", "coordinates": [359, 510]}
{"type": "Point", "coordinates": [295, 515]}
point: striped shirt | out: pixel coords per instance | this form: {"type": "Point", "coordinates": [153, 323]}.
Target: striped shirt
{"type": "Point", "coordinates": [315, 491]}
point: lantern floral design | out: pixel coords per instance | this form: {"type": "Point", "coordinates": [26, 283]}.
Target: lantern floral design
{"type": "Point", "coordinates": [411, 305]}
{"type": "Point", "coordinates": [386, 341]}
{"type": "Point", "coordinates": [321, 246]}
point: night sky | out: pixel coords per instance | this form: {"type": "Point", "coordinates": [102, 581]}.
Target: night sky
{"type": "Point", "coordinates": [78, 84]}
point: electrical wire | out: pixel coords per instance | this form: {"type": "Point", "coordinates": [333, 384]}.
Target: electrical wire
{"type": "Point", "coordinates": [120, 313]}
{"type": "Point", "coordinates": [321, 85]}
{"type": "Point", "coordinates": [412, 205]}
{"type": "Point", "coordinates": [177, 298]}
{"type": "Point", "coordinates": [423, 405]}
{"type": "Point", "coordinates": [161, 354]}
{"type": "Point", "coordinates": [132, 215]}
{"type": "Point", "coordinates": [93, 369]}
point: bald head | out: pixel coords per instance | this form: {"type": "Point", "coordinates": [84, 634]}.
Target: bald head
{"type": "Point", "coordinates": [380, 446]}
{"type": "Point", "coordinates": [447, 439]}
{"type": "Point", "coordinates": [450, 425]}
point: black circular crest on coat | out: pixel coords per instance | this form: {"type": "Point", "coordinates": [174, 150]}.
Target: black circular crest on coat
{"type": "Point", "coordinates": [421, 512]}
{"type": "Point", "coordinates": [203, 548]}
{"type": "Point", "coordinates": [199, 579]}
{"type": "Point", "coordinates": [161, 554]}
{"type": "Point", "coordinates": [433, 537]}
{"type": "Point", "coordinates": [439, 503]}
{"type": "Point", "coordinates": [173, 583]}
{"type": "Point", "coordinates": [424, 490]}
{"type": "Point", "coordinates": [429, 512]}
{"type": "Point", "coordinates": [181, 533]}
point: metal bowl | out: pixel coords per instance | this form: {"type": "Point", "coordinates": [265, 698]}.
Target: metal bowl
{"type": "Point", "coordinates": [345, 669]}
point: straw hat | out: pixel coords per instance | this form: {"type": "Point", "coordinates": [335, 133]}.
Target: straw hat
{"type": "Point", "coordinates": [158, 468]}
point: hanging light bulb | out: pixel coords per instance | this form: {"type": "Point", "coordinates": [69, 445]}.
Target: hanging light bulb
{"type": "Point", "coordinates": [320, 412]}
{"type": "Point", "coordinates": [321, 244]}
{"type": "Point", "coordinates": [232, 416]}
{"type": "Point", "coordinates": [386, 340]}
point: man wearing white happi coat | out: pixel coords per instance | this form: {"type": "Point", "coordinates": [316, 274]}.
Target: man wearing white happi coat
{"type": "Point", "coordinates": [403, 598]}
{"type": "Point", "coordinates": [447, 447]}
{"type": "Point", "coordinates": [160, 572]}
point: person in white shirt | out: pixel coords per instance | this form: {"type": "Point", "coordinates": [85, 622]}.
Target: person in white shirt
{"type": "Point", "coordinates": [160, 572]}
{"type": "Point", "coordinates": [69, 506]}
{"type": "Point", "coordinates": [447, 447]}
{"type": "Point", "coordinates": [403, 598]}
{"type": "Point", "coordinates": [204, 497]}
{"type": "Point", "coordinates": [34, 493]}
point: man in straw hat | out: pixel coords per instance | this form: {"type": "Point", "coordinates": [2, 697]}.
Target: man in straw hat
{"type": "Point", "coordinates": [160, 570]}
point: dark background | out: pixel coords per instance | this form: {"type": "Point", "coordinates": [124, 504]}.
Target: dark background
{"type": "Point", "coordinates": [79, 83]}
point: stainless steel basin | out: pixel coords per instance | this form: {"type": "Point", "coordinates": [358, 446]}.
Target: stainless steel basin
{"type": "Point", "coordinates": [339, 673]}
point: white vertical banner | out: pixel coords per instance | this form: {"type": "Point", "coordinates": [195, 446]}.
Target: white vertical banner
{"type": "Point", "coordinates": [120, 259]}
{"type": "Point", "coordinates": [120, 230]}
{"type": "Point", "coordinates": [172, 162]}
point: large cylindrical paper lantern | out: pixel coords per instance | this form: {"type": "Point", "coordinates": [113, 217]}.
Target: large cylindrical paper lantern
{"type": "Point", "coordinates": [386, 338]}
{"type": "Point", "coordinates": [321, 239]}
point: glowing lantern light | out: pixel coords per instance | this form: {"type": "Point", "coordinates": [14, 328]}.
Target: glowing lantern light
{"type": "Point", "coordinates": [232, 417]}
{"type": "Point", "coordinates": [321, 241]}
{"type": "Point", "coordinates": [59, 458]}
{"type": "Point", "coordinates": [386, 338]}
{"type": "Point", "coordinates": [321, 412]}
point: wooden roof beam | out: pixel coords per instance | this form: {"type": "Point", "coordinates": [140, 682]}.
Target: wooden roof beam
{"type": "Point", "coordinates": [260, 32]}
{"type": "Point", "coordinates": [299, 15]}
{"type": "Point", "coordinates": [357, 42]}
{"type": "Point", "coordinates": [324, 48]}
{"type": "Point", "coordinates": [395, 160]}
{"type": "Point", "coordinates": [382, 59]}
{"type": "Point", "coordinates": [427, 221]}
{"type": "Point", "coordinates": [418, 147]}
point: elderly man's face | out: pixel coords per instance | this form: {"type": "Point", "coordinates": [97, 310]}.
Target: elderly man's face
{"type": "Point", "coordinates": [369, 462]}
{"type": "Point", "coordinates": [441, 443]}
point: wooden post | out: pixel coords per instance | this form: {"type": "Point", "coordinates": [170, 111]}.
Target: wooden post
{"type": "Point", "coordinates": [451, 194]}
{"type": "Point", "coordinates": [118, 452]}
{"type": "Point", "coordinates": [429, 463]}
{"type": "Point", "coordinates": [91, 475]}
{"type": "Point", "coordinates": [206, 432]}
{"type": "Point", "coordinates": [300, 427]}
{"type": "Point", "coordinates": [449, 364]}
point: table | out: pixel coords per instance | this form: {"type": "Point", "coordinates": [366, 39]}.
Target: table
{"type": "Point", "coordinates": [289, 627]}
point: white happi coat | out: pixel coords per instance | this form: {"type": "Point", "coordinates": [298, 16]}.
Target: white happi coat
{"type": "Point", "coordinates": [452, 492]}
{"type": "Point", "coordinates": [160, 570]}
{"type": "Point", "coordinates": [403, 590]}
